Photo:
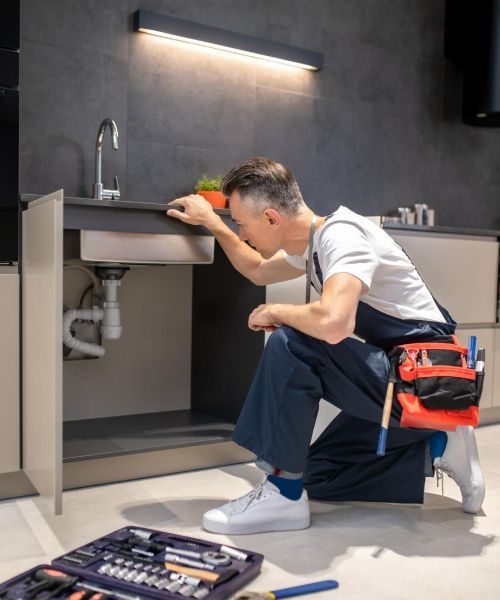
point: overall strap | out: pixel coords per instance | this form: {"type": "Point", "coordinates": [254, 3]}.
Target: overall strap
{"type": "Point", "coordinates": [309, 259]}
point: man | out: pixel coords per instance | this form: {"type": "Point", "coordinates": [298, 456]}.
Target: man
{"type": "Point", "coordinates": [369, 287]}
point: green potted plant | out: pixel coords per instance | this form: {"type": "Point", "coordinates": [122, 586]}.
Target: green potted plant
{"type": "Point", "coordinates": [210, 190]}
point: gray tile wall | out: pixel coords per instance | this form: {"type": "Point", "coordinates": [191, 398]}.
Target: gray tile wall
{"type": "Point", "coordinates": [369, 131]}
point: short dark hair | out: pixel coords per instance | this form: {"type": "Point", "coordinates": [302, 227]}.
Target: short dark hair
{"type": "Point", "coordinates": [264, 183]}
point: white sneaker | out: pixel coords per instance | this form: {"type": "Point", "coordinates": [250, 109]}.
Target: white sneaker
{"type": "Point", "coordinates": [262, 509]}
{"type": "Point", "coordinates": [460, 461]}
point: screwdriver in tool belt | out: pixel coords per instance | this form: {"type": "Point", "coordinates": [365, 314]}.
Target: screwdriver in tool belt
{"type": "Point", "coordinates": [471, 352]}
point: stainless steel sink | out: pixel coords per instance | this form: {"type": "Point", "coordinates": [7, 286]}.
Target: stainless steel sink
{"type": "Point", "coordinates": [145, 248]}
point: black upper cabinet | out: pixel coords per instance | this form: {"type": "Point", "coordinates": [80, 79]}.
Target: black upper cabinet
{"type": "Point", "coordinates": [9, 68]}
{"type": "Point", "coordinates": [9, 129]}
{"type": "Point", "coordinates": [9, 24]}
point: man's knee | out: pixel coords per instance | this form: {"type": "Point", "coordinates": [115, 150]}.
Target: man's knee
{"type": "Point", "coordinates": [281, 338]}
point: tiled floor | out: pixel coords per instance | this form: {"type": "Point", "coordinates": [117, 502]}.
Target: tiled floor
{"type": "Point", "coordinates": [374, 551]}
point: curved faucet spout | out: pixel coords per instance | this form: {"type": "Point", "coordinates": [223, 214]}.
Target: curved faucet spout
{"type": "Point", "coordinates": [99, 192]}
{"type": "Point", "coordinates": [114, 133]}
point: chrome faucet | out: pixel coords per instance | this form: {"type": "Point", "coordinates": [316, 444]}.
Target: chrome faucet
{"type": "Point", "coordinates": [99, 192]}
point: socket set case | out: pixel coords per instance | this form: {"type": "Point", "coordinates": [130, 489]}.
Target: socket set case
{"type": "Point", "coordinates": [135, 563]}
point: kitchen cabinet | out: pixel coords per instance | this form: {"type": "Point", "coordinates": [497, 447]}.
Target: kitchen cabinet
{"type": "Point", "coordinates": [162, 399]}
{"type": "Point", "coordinates": [9, 370]}
{"type": "Point", "coordinates": [461, 271]}
{"type": "Point", "coordinates": [493, 363]}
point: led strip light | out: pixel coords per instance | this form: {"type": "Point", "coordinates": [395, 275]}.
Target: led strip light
{"type": "Point", "coordinates": [229, 41]}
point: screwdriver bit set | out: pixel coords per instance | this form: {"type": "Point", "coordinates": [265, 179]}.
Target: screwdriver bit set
{"type": "Point", "coordinates": [135, 563]}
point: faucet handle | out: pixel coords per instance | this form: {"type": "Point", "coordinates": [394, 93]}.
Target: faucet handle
{"type": "Point", "coordinates": [116, 191]}
{"type": "Point", "coordinates": [113, 194]}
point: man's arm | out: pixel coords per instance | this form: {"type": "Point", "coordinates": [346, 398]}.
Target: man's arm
{"type": "Point", "coordinates": [331, 319]}
{"type": "Point", "coordinates": [244, 259]}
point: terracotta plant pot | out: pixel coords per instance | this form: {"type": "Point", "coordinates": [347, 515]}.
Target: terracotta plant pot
{"type": "Point", "coordinates": [216, 199]}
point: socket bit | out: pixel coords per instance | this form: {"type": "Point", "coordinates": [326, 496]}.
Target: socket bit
{"type": "Point", "coordinates": [151, 580]}
{"type": "Point", "coordinates": [201, 593]}
{"type": "Point", "coordinates": [141, 577]}
{"type": "Point", "coordinates": [173, 586]}
{"type": "Point", "coordinates": [132, 574]}
{"type": "Point", "coordinates": [161, 583]}
{"type": "Point", "coordinates": [114, 570]}
{"type": "Point", "coordinates": [121, 573]}
{"type": "Point", "coordinates": [187, 590]}
{"type": "Point", "coordinates": [104, 569]}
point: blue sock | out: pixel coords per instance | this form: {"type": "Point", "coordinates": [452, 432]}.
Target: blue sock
{"type": "Point", "coordinates": [437, 444]}
{"type": "Point", "coordinates": [290, 488]}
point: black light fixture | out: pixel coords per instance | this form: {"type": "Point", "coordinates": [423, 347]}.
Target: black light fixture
{"type": "Point", "coordinates": [230, 41]}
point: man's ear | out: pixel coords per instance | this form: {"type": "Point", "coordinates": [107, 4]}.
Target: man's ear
{"type": "Point", "coordinates": [272, 216]}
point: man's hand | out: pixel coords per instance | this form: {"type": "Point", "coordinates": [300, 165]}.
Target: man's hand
{"type": "Point", "coordinates": [197, 211]}
{"type": "Point", "coordinates": [263, 319]}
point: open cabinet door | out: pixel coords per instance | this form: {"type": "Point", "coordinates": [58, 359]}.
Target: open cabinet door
{"type": "Point", "coordinates": [42, 269]}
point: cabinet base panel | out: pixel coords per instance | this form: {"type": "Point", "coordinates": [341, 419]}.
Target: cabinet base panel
{"type": "Point", "coordinates": [151, 464]}
{"type": "Point", "coordinates": [114, 469]}
{"type": "Point", "coordinates": [488, 416]}
{"type": "Point", "coordinates": [91, 439]}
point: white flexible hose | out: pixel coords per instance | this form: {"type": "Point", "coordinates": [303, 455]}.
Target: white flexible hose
{"type": "Point", "coordinates": [87, 314]}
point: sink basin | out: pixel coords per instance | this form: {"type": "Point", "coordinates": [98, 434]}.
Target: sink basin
{"type": "Point", "coordinates": [145, 248]}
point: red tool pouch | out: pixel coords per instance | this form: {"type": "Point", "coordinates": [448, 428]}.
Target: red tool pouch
{"type": "Point", "coordinates": [435, 388]}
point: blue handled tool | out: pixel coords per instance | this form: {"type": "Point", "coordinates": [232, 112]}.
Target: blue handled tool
{"type": "Point", "coordinates": [395, 358]}
{"type": "Point", "coordinates": [471, 352]}
{"type": "Point", "coordinates": [386, 415]}
{"type": "Point", "coordinates": [308, 588]}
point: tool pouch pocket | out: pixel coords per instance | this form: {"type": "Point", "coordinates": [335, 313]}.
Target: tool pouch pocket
{"type": "Point", "coordinates": [434, 386]}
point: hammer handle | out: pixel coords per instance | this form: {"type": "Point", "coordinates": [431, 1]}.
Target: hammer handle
{"type": "Point", "coordinates": [386, 415]}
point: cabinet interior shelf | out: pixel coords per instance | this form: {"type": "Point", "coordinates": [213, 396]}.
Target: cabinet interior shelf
{"type": "Point", "coordinates": [116, 436]}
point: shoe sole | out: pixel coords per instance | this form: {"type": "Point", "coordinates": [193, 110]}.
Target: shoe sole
{"type": "Point", "coordinates": [475, 469]}
{"type": "Point", "coordinates": [228, 529]}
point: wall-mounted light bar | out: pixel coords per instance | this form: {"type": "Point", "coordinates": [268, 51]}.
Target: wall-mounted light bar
{"type": "Point", "coordinates": [230, 41]}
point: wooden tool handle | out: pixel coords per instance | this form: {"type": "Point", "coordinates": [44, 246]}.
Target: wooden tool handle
{"type": "Point", "coordinates": [386, 415]}
{"type": "Point", "coordinates": [199, 573]}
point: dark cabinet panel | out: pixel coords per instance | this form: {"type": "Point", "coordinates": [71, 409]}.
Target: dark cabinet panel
{"type": "Point", "coordinates": [9, 68]}
{"type": "Point", "coordinates": [9, 147]}
{"type": "Point", "coordinates": [9, 129]}
{"type": "Point", "coordinates": [9, 24]}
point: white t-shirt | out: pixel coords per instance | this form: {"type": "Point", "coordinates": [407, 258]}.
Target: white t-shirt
{"type": "Point", "coordinates": [350, 243]}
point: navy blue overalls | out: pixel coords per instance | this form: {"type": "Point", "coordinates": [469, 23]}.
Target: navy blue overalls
{"type": "Point", "coordinates": [297, 370]}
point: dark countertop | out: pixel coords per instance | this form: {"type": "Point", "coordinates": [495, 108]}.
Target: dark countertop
{"type": "Point", "coordinates": [442, 229]}
{"type": "Point", "coordinates": [120, 215]}
{"type": "Point", "coordinates": [145, 217]}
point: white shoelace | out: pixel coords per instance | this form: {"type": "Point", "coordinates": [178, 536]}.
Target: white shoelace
{"type": "Point", "coordinates": [439, 478]}
{"type": "Point", "coordinates": [241, 504]}
{"type": "Point", "coordinates": [444, 467]}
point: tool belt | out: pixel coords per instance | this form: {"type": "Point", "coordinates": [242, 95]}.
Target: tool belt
{"type": "Point", "coordinates": [433, 385]}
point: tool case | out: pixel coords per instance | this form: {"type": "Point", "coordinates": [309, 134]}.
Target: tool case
{"type": "Point", "coordinates": [135, 563]}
